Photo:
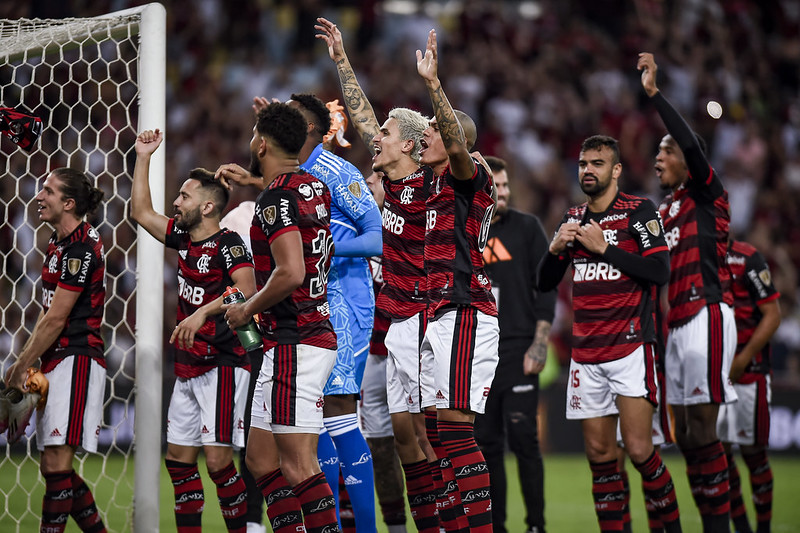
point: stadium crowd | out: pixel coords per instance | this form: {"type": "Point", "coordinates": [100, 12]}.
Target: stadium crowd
{"type": "Point", "coordinates": [511, 65]}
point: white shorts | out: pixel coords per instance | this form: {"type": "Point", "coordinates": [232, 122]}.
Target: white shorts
{"type": "Point", "coordinates": [288, 393]}
{"type": "Point", "coordinates": [592, 389]}
{"type": "Point", "coordinates": [373, 408]}
{"type": "Point", "coordinates": [77, 385]}
{"type": "Point", "coordinates": [747, 421]}
{"type": "Point", "coordinates": [463, 342]}
{"type": "Point", "coordinates": [699, 357]}
{"type": "Point", "coordinates": [409, 375]}
{"type": "Point", "coordinates": [208, 410]}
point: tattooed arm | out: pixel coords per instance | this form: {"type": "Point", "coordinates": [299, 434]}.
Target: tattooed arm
{"type": "Point", "coordinates": [359, 108]}
{"type": "Point", "coordinates": [536, 355]}
{"type": "Point", "coordinates": [461, 164]}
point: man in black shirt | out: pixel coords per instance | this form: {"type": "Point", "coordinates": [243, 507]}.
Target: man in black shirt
{"type": "Point", "coordinates": [517, 242]}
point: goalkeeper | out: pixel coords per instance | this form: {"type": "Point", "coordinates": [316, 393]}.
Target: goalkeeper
{"type": "Point", "coordinates": [67, 338]}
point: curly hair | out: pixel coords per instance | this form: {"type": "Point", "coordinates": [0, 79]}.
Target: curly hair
{"type": "Point", "coordinates": [284, 125]}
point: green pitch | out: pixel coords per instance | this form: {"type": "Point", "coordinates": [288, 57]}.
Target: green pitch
{"type": "Point", "coordinates": [568, 501]}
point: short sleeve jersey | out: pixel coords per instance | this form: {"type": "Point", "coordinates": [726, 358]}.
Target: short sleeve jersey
{"type": "Point", "coordinates": [405, 291]}
{"type": "Point", "coordinates": [614, 313]}
{"type": "Point", "coordinates": [458, 216]}
{"type": "Point", "coordinates": [296, 202]}
{"type": "Point", "coordinates": [76, 263]}
{"type": "Point", "coordinates": [350, 200]}
{"type": "Point", "coordinates": [204, 272]}
{"type": "Point", "coordinates": [752, 286]}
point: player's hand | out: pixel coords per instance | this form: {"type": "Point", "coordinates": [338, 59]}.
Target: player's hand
{"type": "Point", "coordinates": [231, 173]}
{"type": "Point", "coordinates": [148, 141]}
{"type": "Point", "coordinates": [535, 358]}
{"type": "Point", "coordinates": [259, 103]}
{"type": "Point", "coordinates": [332, 37]}
{"type": "Point", "coordinates": [185, 331]}
{"type": "Point", "coordinates": [738, 366]}
{"type": "Point", "coordinates": [428, 63]}
{"type": "Point", "coordinates": [647, 64]}
{"type": "Point", "coordinates": [591, 237]}
{"type": "Point", "coordinates": [16, 376]}
{"type": "Point", "coordinates": [235, 315]}
{"type": "Point", "coordinates": [565, 236]}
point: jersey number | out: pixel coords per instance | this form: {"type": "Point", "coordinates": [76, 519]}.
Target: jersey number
{"type": "Point", "coordinates": [322, 245]}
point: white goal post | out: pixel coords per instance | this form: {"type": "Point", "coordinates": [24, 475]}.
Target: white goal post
{"type": "Point", "coordinates": [95, 82]}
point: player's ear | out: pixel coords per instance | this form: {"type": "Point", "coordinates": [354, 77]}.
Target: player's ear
{"type": "Point", "coordinates": [69, 204]}
{"type": "Point", "coordinates": [616, 171]}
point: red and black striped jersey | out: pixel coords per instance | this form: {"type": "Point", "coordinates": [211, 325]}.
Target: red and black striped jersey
{"type": "Point", "coordinates": [458, 217]}
{"type": "Point", "coordinates": [614, 313]}
{"type": "Point", "coordinates": [204, 272]}
{"type": "Point", "coordinates": [76, 263]}
{"type": "Point", "coordinates": [752, 286]}
{"type": "Point", "coordinates": [405, 290]}
{"type": "Point", "coordinates": [696, 221]}
{"type": "Point", "coordinates": [296, 202]}
{"type": "Point", "coordinates": [380, 325]}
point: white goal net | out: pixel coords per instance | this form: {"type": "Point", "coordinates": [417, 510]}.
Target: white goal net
{"type": "Point", "coordinates": [92, 82]}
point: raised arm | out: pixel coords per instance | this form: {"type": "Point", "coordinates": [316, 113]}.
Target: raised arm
{"type": "Point", "coordinates": [462, 166]}
{"type": "Point", "coordinates": [141, 203]}
{"type": "Point", "coordinates": [358, 107]}
{"type": "Point", "coordinates": [676, 126]}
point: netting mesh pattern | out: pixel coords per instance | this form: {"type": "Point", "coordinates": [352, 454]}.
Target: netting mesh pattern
{"type": "Point", "coordinates": [80, 77]}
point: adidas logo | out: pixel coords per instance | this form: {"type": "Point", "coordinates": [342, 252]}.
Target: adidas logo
{"type": "Point", "coordinates": [337, 381]}
{"type": "Point", "coordinates": [204, 430]}
{"type": "Point", "coordinates": [55, 433]}
{"type": "Point", "coordinates": [697, 391]}
{"type": "Point", "coordinates": [352, 480]}
{"type": "Point", "coordinates": [439, 395]}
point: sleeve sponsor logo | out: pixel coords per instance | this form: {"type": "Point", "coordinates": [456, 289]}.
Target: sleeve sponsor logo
{"type": "Point", "coordinates": [355, 189]}
{"type": "Point", "coordinates": [643, 234]}
{"type": "Point", "coordinates": [270, 213]}
{"type": "Point", "coordinates": [73, 266]}
{"type": "Point", "coordinates": [319, 187]}
{"type": "Point", "coordinates": [286, 220]}
{"type": "Point", "coordinates": [306, 191]}
{"type": "Point", "coordinates": [237, 251]}
{"type": "Point", "coordinates": [765, 277]}
{"type": "Point", "coordinates": [654, 227]}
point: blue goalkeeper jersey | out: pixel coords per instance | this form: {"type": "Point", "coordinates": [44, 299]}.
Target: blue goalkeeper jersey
{"type": "Point", "coordinates": [351, 203]}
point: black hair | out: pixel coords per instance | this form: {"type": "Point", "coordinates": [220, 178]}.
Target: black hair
{"type": "Point", "coordinates": [76, 185]}
{"type": "Point", "coordinates": [219, 194]}
{"type": "Point", "coordinates": [495, 163]}
{"type": "Point", "coordinates": [284, 125]}
{"type": "Point", "coordinates": [596, 142]}
{"type": "Point", "coordinates": [315, 106]}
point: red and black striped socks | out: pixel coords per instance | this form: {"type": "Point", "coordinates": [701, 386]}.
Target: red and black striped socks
{"type": "Point", "coordinates": [232, 495]}
{"type": "Point", "coordinates": [421, 496]}
{"type": "Point", "coordinates": [57, 501]}
{"type": "Point", "coordinates": [471, 472]}
{"type": "Point", "coordinates": [84, 509]}
{"type": "Point", "coordinates": [189, 499]}
{"type": "Point", "coordinates": [316, 500]}
{"type": "Point", "coordinates": [761, 483]}
{"type": "Point", "coordinates": [608, 492]}
{"type": "Point", "coordinates": [283, 507]}
{"type": "Point", "coordinates": [660, 491]}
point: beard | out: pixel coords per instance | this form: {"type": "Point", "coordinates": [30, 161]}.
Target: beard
{"type": "Point", "coordinates": [595, 189]}
{"type": "Point", "coordinates": [255, 166]}
{"type": "Point", "coordinates": [189, 220]}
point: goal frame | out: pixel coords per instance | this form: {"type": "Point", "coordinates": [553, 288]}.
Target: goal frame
{"type": "Point", "coordinates": [39, 35]}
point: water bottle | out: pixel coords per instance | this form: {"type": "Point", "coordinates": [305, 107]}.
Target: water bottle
{"type": "Point", "coordinates": [249, 335]}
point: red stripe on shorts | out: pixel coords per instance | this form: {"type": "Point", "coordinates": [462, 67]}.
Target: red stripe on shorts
{"type": "Point", "coordinates": [78, 399]}
{"type": "Point", "coordinates": [716, 390]}
{"type": "Point", "coordinates": [284, 388]}
{"type": "Point", "coordinates": [225, 400]}
{"type": "Point", "coordinates": [461, 357]}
